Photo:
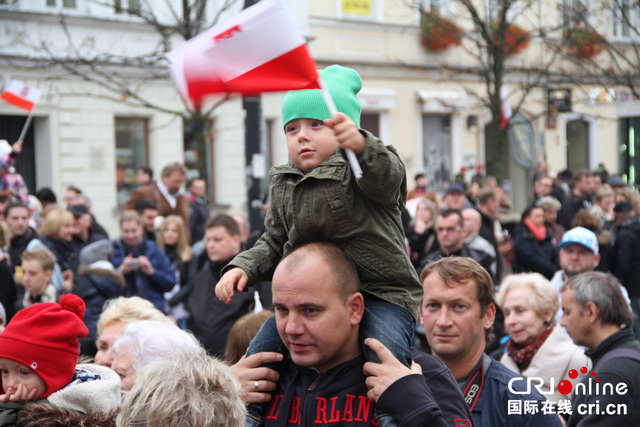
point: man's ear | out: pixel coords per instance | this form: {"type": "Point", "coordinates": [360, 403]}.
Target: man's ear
{"type": "Point", "coordinates": [489, 316]}
{"type": "Point", "coordinates": [592, 311]}
{"type": "Point", "coordinates": [355, 304]}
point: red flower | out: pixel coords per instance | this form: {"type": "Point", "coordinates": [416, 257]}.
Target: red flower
{"type": "Point", "coordinates": [438, 33]}
{"type": "Point", "coordinates": [516, 39]}
{"type": "Point", "coordinates": [583, 42]}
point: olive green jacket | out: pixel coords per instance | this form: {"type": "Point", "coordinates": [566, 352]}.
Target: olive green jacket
{"type": "Point", "coordinates": [362, 216]}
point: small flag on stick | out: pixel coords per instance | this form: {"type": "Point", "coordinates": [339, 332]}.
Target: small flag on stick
{"type": "Point", "coordinates": [21, 95]}
{"type": "Point", "coordinates": [258, 50]}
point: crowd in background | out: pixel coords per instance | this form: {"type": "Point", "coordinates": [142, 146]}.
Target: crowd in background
{"type": "Point", "coordinates": [156, 278]}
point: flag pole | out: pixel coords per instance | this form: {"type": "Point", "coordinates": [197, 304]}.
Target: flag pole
{"type": "Point", "coordinates": [26, 126]}
{"type": "Point", "coordinates": [351, 156]}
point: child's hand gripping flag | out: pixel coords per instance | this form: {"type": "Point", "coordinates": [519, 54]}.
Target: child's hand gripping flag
{"type": "Point", "coordinates": [258, 50]}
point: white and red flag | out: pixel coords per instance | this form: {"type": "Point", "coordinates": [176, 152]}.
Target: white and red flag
{"type": "Point", "coordinates": [258, 50]}
{"type": "Point", "coordinates": [21, 95]}
{"type": "Point", "coordinates": [505, 107]}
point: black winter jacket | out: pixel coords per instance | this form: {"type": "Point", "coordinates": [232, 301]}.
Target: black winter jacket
{"type": "Point", "coordinates": [339, 397]}
{"type": "Point", "coordinates": [625, 259]}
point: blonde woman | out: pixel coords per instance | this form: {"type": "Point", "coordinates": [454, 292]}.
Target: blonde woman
{"type": "Point", "coordinates": [537, 347]}
{"type": "Point", "coordinates": [173, 239]}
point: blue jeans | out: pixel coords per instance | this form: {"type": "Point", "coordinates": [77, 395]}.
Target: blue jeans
{"type": "Point", "coordinates": [390, 324]}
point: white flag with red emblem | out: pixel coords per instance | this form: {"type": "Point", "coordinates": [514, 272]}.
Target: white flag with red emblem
{"type": "Point", "coordinates": [21, 95]}
{"type": "Point", "coordinates": [258, 50]}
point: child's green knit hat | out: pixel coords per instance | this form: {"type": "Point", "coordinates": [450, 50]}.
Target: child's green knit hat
{"type": "Point", "coordinates": [342, 83]}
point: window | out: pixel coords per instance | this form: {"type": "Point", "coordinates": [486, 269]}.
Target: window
{"type": "Point", "coordinates": [131, 152]}
{"type": "Point", "coordinates": [436, 149]}
{"type": "Point", "coordinates": [626, 18]}
{"type": "Point", "coordinates": [127, 6]}
{"type": "Point", "coordinates": [574, 12]}
{"type": "Point", "coordinates": [67, 4]}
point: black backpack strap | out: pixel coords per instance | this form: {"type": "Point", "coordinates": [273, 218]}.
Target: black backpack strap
{"type": "Point", "coordinates": [627, 353]}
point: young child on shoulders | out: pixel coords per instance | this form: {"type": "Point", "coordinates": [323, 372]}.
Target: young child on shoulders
{"type": "Point", "coordinates": [316, 197]}
{"type": "Point", "coordinates": [38, 354]}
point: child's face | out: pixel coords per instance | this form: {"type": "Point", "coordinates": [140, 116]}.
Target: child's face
{"type": "Point", "coordinates": [310, 142]}
{"type": "Point", "coordinates": [35, 278]}
{"type": "Point", "coordinates": [21, 382]}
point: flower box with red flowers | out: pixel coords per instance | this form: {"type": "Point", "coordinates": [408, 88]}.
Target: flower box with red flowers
{"type": "Point", "coordinates": [516, 39]}
{"type": "Point", "coordinates": [583, 42]}
{"type": "Point", "coordinates": [439, 33]}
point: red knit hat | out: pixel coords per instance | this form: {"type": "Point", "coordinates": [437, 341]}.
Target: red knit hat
{"type": "Point", "coordinates": [44, 338]}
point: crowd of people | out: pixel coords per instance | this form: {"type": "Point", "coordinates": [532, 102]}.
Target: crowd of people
{"type": "Point", "coordinates": [359, 303]}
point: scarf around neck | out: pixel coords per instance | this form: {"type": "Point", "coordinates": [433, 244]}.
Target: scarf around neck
{"type": "Point", "coordinates": [538, 231]}
{"type": "Point", "coordinates": [523, 355]}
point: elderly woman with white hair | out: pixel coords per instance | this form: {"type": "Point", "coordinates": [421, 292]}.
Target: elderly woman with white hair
{"type": "Point", "coordinates": [146, 341]}
{"type": "Point", "coordinates": [537, 347]}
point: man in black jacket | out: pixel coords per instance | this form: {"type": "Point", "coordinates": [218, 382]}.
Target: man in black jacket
{"type": "Point", "coordinates": [597, 316]}
{"type": "Point", "coordinates": [581, 191]}
{"type": "Point", "coordinates": [17, 218]}
{"type": "Point", "coordinates": [625, 256]}
{"type": "Point", "coordinates": [451, 235]}
{"type": "Point", "coordinates": [318, 314]}
{"type": "Point", "coordinates": [211, 319]}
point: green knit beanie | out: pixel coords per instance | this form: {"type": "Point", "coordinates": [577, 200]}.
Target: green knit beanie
{"type": "Point", "coordinates": [342, 83]}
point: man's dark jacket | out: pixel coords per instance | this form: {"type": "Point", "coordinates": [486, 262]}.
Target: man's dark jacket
{"type": "Point", "coordinates": [625, 259]}
{"type": "Point", "coordinates": [614, 371]}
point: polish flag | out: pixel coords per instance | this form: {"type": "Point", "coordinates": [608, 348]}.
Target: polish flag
{"type": "Point", "coordinates": [258, 50]}
{"type": "Point", "coordinates": [21, 95]}
{"type": "Point", "coordinates": [505, 107]}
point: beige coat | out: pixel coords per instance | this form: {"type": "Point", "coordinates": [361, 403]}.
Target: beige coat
{"type": "Point", "coordinates": [554, 359]}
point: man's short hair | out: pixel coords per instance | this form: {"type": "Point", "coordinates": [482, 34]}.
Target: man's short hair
{"type": "Point", "coordinates": [226, 221]}
{"type": "Point", "coordinates": [146, 170]}
{"type": "Point", "coordinates": [342, 267]}
{"type": "Point", "coordinates": [172, 167]}
{"type": "Point", "coordinates": [457, 269]}
{"type": "Point", "coordinates": [418, 176]}
{"type": "Point", "coordinates": [12, 205]}
{"type": "Point", "coordinates": [184, 390]}
{"type": "Point", "coordinates": [581, 173]}
{"type": "Point", "coordinates": [445, 213]}
{"type": "Point", "coordinates": [144, 203]}
{"type": "Point", "coordinates": [130, 215]}
{"type": "Point", "coordinates": [486, 194]}
{"type": "Point", "coordinates": [604, 291]}
{"type": "Point", "coordinates": [74, 189]}
{"type": "Point", "coordinates": [46, 195]}
{"type": "Point", "coordinates": [44, 256]}
{"type": "Point", "coordinates": [84, 197]}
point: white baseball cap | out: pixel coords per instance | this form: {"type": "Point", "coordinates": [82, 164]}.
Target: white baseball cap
{"type": "Point", "coordinates": [581, 236]}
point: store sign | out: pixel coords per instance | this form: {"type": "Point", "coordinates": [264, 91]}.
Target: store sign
{"type": "Point", "coordinates": [359, 7]}
{"type": "Point", "coordinates": [559, 100]}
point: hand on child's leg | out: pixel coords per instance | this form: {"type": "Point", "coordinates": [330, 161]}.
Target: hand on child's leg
{"type": "Point", "coordinates": [381, 375]}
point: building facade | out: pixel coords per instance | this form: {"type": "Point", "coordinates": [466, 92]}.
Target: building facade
{"type": "Point", "coordinates": [93, 134]}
